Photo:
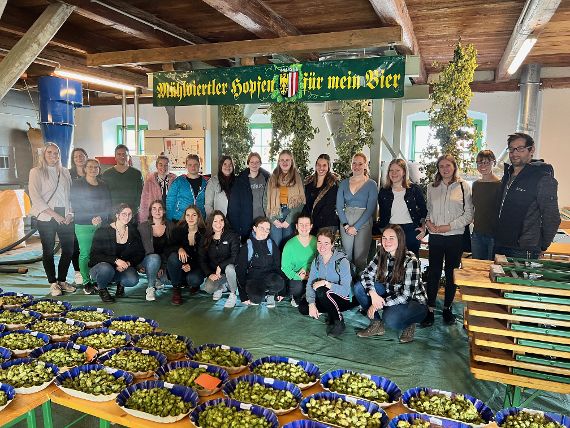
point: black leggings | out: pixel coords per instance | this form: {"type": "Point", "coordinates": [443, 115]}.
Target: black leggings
{"type": "Point", "coordinates": [328, 303]}
{"type": "Point", "coordinates": [256, 288]}
{"type": "Point", "coordinates": [75, 257]}
{"type": "Point", "coordinates": [65, 232]}
{"type": "Point", "coordinates": [450, 249]}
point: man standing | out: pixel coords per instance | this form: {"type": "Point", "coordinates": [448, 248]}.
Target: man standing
{"type": "Point", "coordinates": [125, 182]}
{"type": "Point", "coordinates": [528, 209]}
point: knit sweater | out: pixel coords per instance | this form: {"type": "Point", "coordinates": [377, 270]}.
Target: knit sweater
{"type": "Point", "coordinates": [296, 256]}
{"type": "Point", "coordinates": [42, 188]}
{"type": "Point", "coordinates": [90, 201]}
{"type": "Point", "coordinates": [151, 192]}
{"type": "Point", "coordinates": [125, 187]}
{"type": "Point", "coordinates": [366, 197]}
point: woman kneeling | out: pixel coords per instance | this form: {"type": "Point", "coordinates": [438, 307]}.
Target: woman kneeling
{"type": "Point", "coordinates": [392, 282]}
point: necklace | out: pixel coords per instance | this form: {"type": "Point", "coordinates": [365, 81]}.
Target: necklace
{"type": "Point", "coordinates": [119, 234]}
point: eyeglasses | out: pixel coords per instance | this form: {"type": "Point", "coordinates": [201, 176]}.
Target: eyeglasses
{"type": "Point", "coordinates": [519, 149]}
{"type": "Point", "coordinates": [484, 163]}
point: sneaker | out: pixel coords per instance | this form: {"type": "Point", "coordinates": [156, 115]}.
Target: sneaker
{"type": "Point", "coordinates": [407, 335]}
{"type": "Point", "coordinates": [176, 296]}
{"type": "Point", "coordinates": [158, 285]}
{"type": "Point", "coordinates": [270, 300]}
{"type": "Point", "coordinates": [428, 320]}
{"type": "Point", "coordinates": [90, 288]}
{"type": "Point", "coordinates": [217, 295]}
{"type": "Point", "coordinates": [337, 328]}
{"type": "Point", "coordinates": [231, 301]}
{"type": "Point", "coordinates": [55, 289]}
{"type": "Point", "coordinates": [293, 303]}
{"type": "Point", "coordinates": [120, 291]}
{"type": "Point", "coordinates": [105, 296]}
{"type": "Point", "coordinates": [376, 328]}
{"type": "Point", "coordinates": [448, 316]}
{"type": "Point", "coordinates": [150, 294]}
{"type": "Point", "coordinates": [66, 287]}
{"type": "Point", "coordinates": [78, 278]}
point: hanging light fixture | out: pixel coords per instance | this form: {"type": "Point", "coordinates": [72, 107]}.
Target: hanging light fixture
{"type": "Point", "coordinates": [92, 79]}
{"type": "Point", "coordinates": [524, 50]}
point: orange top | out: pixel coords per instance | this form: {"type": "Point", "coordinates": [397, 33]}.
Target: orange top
{"type": "Point", "coordinates": [283, 195]}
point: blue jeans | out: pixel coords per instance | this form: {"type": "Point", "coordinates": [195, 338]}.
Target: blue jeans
{"type": "Point", "coordinates": [281, 235]}
{"type": "Point", "coordinates": [151, 264]}
{"type": "Point", "coordinates": [518, 252]}
{"type": "Point", "coordinates": [412, 243]}
{"type": "Point", "coordinates": [104, 273]}
{"type": "Point", "coordinates": [179, 278]}
{"type": "Point", "coordinates": [482, 246]}
{"type": "Point", "coordinates": [364, 299]}
{"type": "Point", "coordinates": [399, 317]}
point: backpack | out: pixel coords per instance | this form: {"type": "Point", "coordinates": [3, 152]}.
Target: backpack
{"type": "Point", "coordinates": [251, 253]}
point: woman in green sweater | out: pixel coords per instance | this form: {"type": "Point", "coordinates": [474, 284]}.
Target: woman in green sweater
{"type": "Point", "coordinates": [298, 254]}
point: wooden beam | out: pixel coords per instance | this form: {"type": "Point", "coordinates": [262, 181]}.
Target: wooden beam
{"type": "Point", "coordinates": [2, 6]}
{"type": "Point", "coordinates": [534, 16]}
{"type": "Point", "coordinates": [31, 44]}
{"type": "Point", "coordinates": [393, 12]}
{"type": "Point", "coordinates": [353, 39]}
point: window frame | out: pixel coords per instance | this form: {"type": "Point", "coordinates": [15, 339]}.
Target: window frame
{"type": "Point", "coordinates": [139, 148]}
{"type": "Point", "coordinates": [253, 126]}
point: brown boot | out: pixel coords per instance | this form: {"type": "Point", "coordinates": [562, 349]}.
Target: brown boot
{"type": "Point", "coordinates": [176, 296]}
{"type": "Point", "coordinates": [376, 328]}
{"type": "Point", "coordinates": [408, 334]}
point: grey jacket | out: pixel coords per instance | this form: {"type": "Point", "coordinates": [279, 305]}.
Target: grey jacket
{"type": "Point", "coordinates": [446, 205]}
{"type": "Point", "coordinates": [216, 198]}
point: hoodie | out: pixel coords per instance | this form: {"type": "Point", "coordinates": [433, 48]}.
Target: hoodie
{"type": "Point", "coordinates": [336, 271]}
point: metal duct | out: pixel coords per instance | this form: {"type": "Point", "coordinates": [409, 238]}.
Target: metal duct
{"type": "Point", "coordinates": [334, 120]}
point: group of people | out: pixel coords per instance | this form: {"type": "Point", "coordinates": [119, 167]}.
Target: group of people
{"type": "Point", "coordinates": [268, 236]}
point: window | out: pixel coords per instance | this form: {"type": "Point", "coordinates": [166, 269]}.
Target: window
{"type": "Point", "coordinates": [130, 143]}
{"type": "Point", "coordinates": [261, 139]}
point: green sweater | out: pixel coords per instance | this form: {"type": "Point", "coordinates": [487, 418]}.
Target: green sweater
{"type": "Point", "coordinates": [124, 187]}
{"type": "Point", "coordinates": [296, 257]}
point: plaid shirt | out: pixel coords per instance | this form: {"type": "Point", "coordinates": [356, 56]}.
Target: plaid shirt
{"type": "Point", "coordinates": [397, 294]}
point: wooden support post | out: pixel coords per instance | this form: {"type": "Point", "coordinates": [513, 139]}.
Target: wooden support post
{"type": "Point", "coordinates": [2, 6]}
{"type": "Point", "coordinates": [31, 44]}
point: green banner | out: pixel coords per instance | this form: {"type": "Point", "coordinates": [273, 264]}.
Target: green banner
{"type": "Point", "coordinates": [381, 77]}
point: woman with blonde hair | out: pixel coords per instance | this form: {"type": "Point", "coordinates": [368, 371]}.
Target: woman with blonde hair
{"type": "Point", "coordinates": [50, 187]}
{"type": "Point", "coordinates": [356, 202]}
{"type": "Point", "coordinates": [284, 198]}
{"type": "Point", "coordinates": [156, 186]}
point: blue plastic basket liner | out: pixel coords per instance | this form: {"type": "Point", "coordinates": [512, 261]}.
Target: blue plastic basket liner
{"type": "Point", "coordinates": [170, 356]}
{"type": "Point", "coordinates": [230, 370]}
{"type": "Point", "coordinates": [37, 353]}
{"type": "Point", "coordinates": [433, 420]}
{"type": "Point", "coordinates": [36, 388]}
{"type": "Point", "coordinates": [484, 410]}
{"type": "Point", "coordinates": [162, 360]}
{"type": "Point", "coordinates": [93, 331]}
{"type": "Point", "coordinates": [10, 393]}
{"type": "Point", "coordinates": [310, 368]}
{"type": "Point", "coordinates": [306, 423]}
{"type": "Point", "coordinates": [216, 371]}
{"type": "Point", "coordinates": [34, 314]}
{"type": "Point", "coordinates": [66, 306]}
{"type": "Point", "coordinates": [152, 323]}
{"type": "Point", "coordinates": [75, 371]}
{"type": "Point", "coordinates": [2, 327]}
{"type": "Point", "coordinates": [370, 406]}
{"type": "Point", "coordinates": [501, 415]}
{"type": "Point", "coordinates": [188, 395]}
{"type": "Point", "coordinates": [57, 338]}
{"type": "Point", "coordinates": [11, 293]}
{"type": "Point", "coordinates": [267, 414]}
{"type": "Point", "coordinates": [5, 354]}
{"type": "Point", "coordinates": [394, 393]}
{"type": "Point", "coordinates": [280, 385]}
{"type": "Point", "coordinates": [25, 352]}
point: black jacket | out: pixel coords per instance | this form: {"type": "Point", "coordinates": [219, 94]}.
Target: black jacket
{"type": "Point", "coordinates": [90, 201]}
{"type": "Point", "coordinates": [528, 209]}
{"type": "Point", "coordinates": [323, 214]}
{"type": "Point", "coordinates": [145, 231]}
{"type": "Point", "coordinates": [262, 262]}
{"type": "Point", "coordinates": [414, 200]}
{"type": "Point", "coordinates": [104, 247]}
{"type": "Point", "coordinates": [240, 204]}
{"type": "Point", "coordinates": [221, 253]}
{"type": "Point", "coordinates": [180, 240]}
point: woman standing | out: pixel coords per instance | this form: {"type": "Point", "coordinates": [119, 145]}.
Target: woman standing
{"type": "Point", "coordinates": [298, 254]}
{"type": "Point", "coordinates": [116, 251]}
{"type": "Point", "coordinates": [155, 186]}
{"type": "Point", "coordinates": [219, 187]}
{"type": "Point", "coordinates": [486, 206]}
{"type": "Point", "coordinates": [91, 203]}
{"type": "Point", "coordinates": [320, 191]}
{"type": "Point", "coordinates": [183, 263]}
{"type": "Point", "coordinates": [246, 199]}
{"type": "Point", "coordinates": [259, 267]}
{"type": "Point", "coordinates": [450, 210]}
{"type": "Point", "coordinates": [186, 190]}
{"type": "Point", "coordinates": [392, 283]}
{"type": "Point", "coordinates": [328, 285]}
{"type": "Point", "coordinates": [156, 233]}
{"type": "Point", "coordinates": [77, 170]}
{"type": "Point", "coordinates": [403, 203]}
{"type": "Point", "coordinates": [50, 187]}
{"type": "Point", "coordinates": [218, 255]}
{"type": "Point", "coordinates": [356, 202]}
{"type": "Point", "coordinates": [285, 198]}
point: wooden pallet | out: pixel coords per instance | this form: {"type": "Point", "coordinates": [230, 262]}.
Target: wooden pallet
{"type": "Point", "coordinates": [487, 310]}
{"type": "Point", "coordinates": [501, 328]}
{"type": "Point", "coordinates": [509, 343]}
{"type": "Point", "coordinates": [494, 296]}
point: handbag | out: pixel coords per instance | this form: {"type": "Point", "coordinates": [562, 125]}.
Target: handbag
{"type": "Point", "coordinates": [467, 231]}
{"type": "Point", "coordinates": [34, 219]}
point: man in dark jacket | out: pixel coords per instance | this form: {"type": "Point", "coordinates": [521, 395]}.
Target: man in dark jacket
{"type": "Point", "coordinates": [528, 209]}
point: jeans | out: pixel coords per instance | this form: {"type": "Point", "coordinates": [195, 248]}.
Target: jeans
{"type": "Point", "coordinates": [179, 278]}
{"type": "Point", "coordinates": [151, 264]}
{"type": "Point", "coordinates": [256, 288]}
{"type": "Point", "coordinates": [450, 249]}
{"type": "Point", "coordinates": [357, 247]}
{"type": "Point", "coordinates": [228, 278]}
{"type": "Point", "coordinates": [48, 230]}
{"type": "Point", "coordinates": [482, 246]}
{"type": "Point", "coordinates": [399, 317]}
{"type": "Point", "coordinates": [363, 297]}
{"type": "Point", "coordinates": [281, 235]}
{"type": "Point", "coordinates": [84, 234]}
{"type": "Point", "coordinates": [518, 253]}
{"type": "Point", "coordinates": [412, 243]}
{"type": "Point", "coordinates": [104, 273]}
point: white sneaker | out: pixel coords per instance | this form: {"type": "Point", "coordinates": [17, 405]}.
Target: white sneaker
{"type": "Point", "coordinates": [55, 289]}
{"type": "Point", "coordinates": [78, 278]}
{"type": "Point", "coordinates": [231, 301]}
{"type": "Point", "coordinates": [270, 300]}
{"type": "Point", "coordinates": [217, 295]}
{"type": "Point", "coordinates": [158, 285]}
{"type": "Point", "coordinates": [293, 303]}
{"type": "Point", "coordinates": [150, 294]}
{"type": "Point", "coordinates": [66, 287]}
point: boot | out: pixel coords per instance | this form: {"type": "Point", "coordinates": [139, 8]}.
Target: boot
{"type": "Point", "coordinates": [376, 328]}
{"type": "Point", "coordinates": [120, 291]}
{"type": "Point", "coordinates": [408, 334]}
{"type": "Point", "coordinates": [428, 320]}
{"type": "Point", "coordinates": [448, 316]}
{"type": "Point", "coordinates": [176, 296]}
{"type": "Point", "coordinates": [105, 296]}
{"type": "Point", "coordinates": [337, 328]}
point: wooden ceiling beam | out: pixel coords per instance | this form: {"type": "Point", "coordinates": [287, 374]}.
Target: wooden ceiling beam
{"type": "Point", "coordinates": [396, 12]}
{"type": "Point", "coordinates": [534, 16]}
{"type": "Point", "coordinates": [353, 39]}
